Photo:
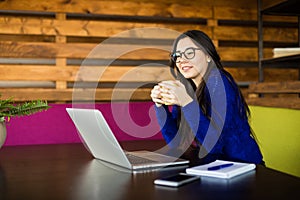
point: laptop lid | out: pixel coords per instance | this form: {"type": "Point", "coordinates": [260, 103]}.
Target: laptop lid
{"type": "Point", "coordinates": [101, 142]}
{"type": "Point", "coordinates": [97, 136]}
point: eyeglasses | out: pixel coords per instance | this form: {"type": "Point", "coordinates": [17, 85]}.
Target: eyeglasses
{"type": "Point", "coordinates": [189, 53]}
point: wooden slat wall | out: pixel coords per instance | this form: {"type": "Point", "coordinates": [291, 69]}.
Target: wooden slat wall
{"type": "Point", "coordinates": [275, 94]}
{"type": "Point", "coordinates": [43, 45]}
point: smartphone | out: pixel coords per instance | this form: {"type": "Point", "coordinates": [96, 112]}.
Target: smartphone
{"type": "Point", "coordinates": [176, 180]}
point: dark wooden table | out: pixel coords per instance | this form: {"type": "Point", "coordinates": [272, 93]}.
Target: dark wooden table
{"type": "Point", "coordinates": [68, 171]}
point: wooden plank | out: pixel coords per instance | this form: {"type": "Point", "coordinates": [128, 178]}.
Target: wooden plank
{"type": "Point", "coordinates": [37, 73]}
{"type": "Point", "coordinates": [112, 51]}
{"type": "Point", "coordinates": [42, 26]}
{"type": "Point", "coordinates": [243, 74]}
{"type": "Point", "coordinates": [235, 33]}
{"type": "Point", "coordinates": [283, 74]}
{"type": "Point", "coordinates": [85, 73]}
{"type": "Point", "coordinates": [156, 7]}
{"type": "Point", "coordinates": [251, 74]}
{"type": "Point", "coordinates": [291, 103]}
{"type": "Point", "coordinates": [83, 50]}
{"type": "Point", "coordinates": [43, 50]}
{"type": "Point", "coordinates": [291, 87]}
{"type": "Point", "coordinates": [60, 62]}
{"type": "Point", "coordinates": [105, 94]}
{"type": "Point", "coordinates": [235, 3]}
{"type": "Point", "coordinates": [246, 54]}
{"type": "Point", "coordinates": [284, 94]}
{"type": "Point", "coordinates": [274, 18]}
{"type": "Point", "coordinates": [243, 14]}
{"type": "Point", "coordinates": [125, 74]}
{"type": "Point", "coordinates": [138, 8]}
{"type": "Point", "coordinates": [250, 34]}
{"type": "Point", "coordinates": [233, 13]}
{"type": "Point", "coordinates": [238, 53]}
{"type": "Point", "coordinates": [268, 52]}
{"type": "Point", "coordinates": [119, 73]}
{"type": "Point", "coordinates": [27, 38]}
{"type": "Point", "coordinates": [100, 94]}
{"type": "Point", "coordinates": [280, 35]}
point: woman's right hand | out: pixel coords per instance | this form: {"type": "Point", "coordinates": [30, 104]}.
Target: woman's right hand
{"type": "Point", "coordinates": [156, 95]}
{"type": "Point", "coordinates": [174, 93]}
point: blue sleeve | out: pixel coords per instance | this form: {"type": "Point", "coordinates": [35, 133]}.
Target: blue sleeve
{"type": "Point", "coordinates": [168, 122]}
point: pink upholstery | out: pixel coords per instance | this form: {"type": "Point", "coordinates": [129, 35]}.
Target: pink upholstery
{"type": "Point", "coordinates": [54, 126]}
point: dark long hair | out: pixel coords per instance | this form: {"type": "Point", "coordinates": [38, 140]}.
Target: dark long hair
{"type": "Point", "coordinates": [203, 41]}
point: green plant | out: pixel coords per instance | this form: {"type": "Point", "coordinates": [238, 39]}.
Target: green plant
{"type": "Point", "coordinates": [10, 109]}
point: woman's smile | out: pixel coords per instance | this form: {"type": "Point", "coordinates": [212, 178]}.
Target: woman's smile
{"type": "Point", "coordinates": [186, 68]}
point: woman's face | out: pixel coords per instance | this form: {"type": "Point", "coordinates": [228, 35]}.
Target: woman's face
{"type": "Point", "coordinates": [195, 67]}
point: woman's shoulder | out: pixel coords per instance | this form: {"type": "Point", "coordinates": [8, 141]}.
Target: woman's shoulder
{"type": "Point", "coordinates": [219, 77]}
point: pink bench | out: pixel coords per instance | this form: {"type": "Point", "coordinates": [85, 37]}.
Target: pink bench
{"type": "Point", "coordinates": [128, 121]}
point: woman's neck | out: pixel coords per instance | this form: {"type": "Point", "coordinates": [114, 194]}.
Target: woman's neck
{"type": "Point", "coordinates": [197, 80]}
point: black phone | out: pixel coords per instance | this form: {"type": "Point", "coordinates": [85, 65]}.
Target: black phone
{"type": "Point", "coordinates": [176, 180]}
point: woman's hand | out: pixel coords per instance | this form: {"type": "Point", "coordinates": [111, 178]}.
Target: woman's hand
{"type": "Point", "coordinates": [173, 93]}
{"type": "Point", "coordinates": [156, 95]}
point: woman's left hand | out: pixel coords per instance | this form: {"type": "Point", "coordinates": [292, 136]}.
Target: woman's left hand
{"type": "Point", "coordinates": [174, 93]}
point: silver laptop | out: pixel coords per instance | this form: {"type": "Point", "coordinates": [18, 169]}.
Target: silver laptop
{"type": "Point", "coordinates": [103, 145]}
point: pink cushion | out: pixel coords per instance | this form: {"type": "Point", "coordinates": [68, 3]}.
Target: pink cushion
{"type": "Point", "coordinates": [133, 121]}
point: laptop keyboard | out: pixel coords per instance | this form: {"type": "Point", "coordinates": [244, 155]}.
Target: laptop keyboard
{"type": "Point", "coordinates": [138, 160]}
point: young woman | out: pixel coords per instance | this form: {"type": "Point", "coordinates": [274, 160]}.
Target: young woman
{"type": "Point", "coordinates": [208, 113]}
